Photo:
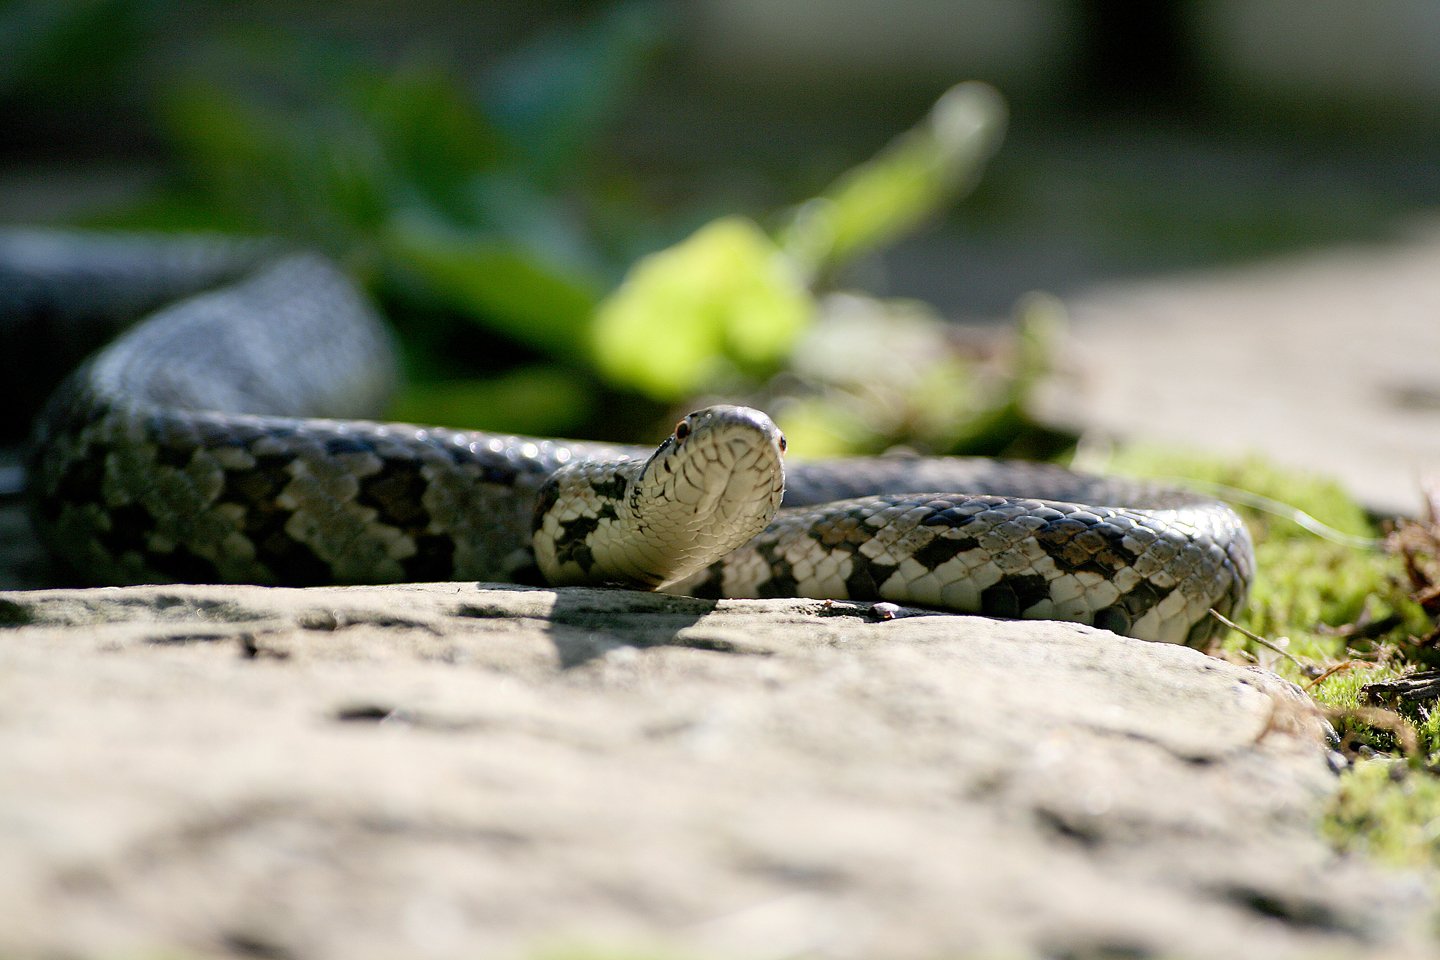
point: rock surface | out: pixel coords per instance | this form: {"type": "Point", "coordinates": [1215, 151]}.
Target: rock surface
{"type": "Point", "coordinates": [454, 770]}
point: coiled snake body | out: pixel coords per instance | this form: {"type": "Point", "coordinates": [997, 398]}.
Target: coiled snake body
{"type": "Point", "coordinates": [214, 442]}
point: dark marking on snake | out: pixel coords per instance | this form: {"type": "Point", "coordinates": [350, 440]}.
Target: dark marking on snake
{"type": "Point", "coordinates": [1201, 630]}
{"type": "Point", "coordinates": [174, 455]}
{"type": "Point", "coordinates": [611, 491]}
{"type": "Point", "coordinates": [130, 524]}
{"type": "Point", "coordinates": [846, 535]}
{"type": "Point", "coordinates": [946, 515]}
{"type": "Point", "coordinates": [434, 559]}
{"type": "Point", "coordinates": [1013, 595]}
{"type": "Point", "coordinates": [548, 496]}
{"type": "Point", "coordinates": [494, 467]}
{"type": "Point", "coordinates": [261, 484]}
{"type": "Point", "coordinates": [781, 581]}
{"type": "Point", "coordinates": [212, 435]}
{"type": "Point", "coordinates": [501, 475]}
{"type": "Point", "coordinates": [338, 445]}
{"type": "Point", "coordinates": [397, 494]}
{"type": "Point", "coordinates": [943, 549]}
{"type": "Point", "coordinates": [1141, 598]}
{"type": "Point", "coordinates": [1078, 546]}
{"type": "Point", "coordinates": [184, 566]}
{"type": "Point", "coordinates": [866, 578]}
{"type": "Point", "coordinates": [1113, 618]}
{"type": "Point", "coordinates": [708, 589]}
{"type": "Point", "coordinates": [291, 561]}
{"type": "Point", "coordinates": [82, 482]}
{"type": "Point", "coordinates": [570, 544]}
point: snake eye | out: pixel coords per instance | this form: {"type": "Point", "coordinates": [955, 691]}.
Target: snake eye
{"type": "Point", "coordinates": [782, 443]}
{"type": "Point", "coordinates": [682, 429]}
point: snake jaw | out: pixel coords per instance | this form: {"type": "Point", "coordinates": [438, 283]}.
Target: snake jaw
{"type": "Point", "coordinates": [711, 486]}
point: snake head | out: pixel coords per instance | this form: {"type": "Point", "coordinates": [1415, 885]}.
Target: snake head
{"type": "Point", "coordinates": [711, 486]}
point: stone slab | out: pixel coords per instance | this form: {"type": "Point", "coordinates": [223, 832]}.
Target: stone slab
{"type": "Point", "coordinates": [453, 770]}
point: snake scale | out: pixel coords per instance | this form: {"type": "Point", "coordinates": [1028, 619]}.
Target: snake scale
{"type": "Point", "coordinates": [225, 438]}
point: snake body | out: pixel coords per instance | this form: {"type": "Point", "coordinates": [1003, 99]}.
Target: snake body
{"type": "Point", "coordinates": [217, 441]}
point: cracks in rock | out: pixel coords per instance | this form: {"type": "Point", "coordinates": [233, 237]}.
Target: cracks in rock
{"type": "Point", "coordinates": [253, 643]}
{"type": "Point", "coordinates": [222, 611]}
{"type": "Point", "coordinates": [1082, 829]}
{"type": "Point", "coordinates": [487, 611]}
{"type": "Point", "coordinates": [1103, 950]}
{"type": "Point", "coordinates": [382, 714]}
{"type": "Point", "coordinates": [248, 943]}
{"type": "Point", "coordinates": [330, 620]}
{"type": "Point", "coordinates": [14, 614]}
{"type": "Point", "coordinates": [1292, 908]}
{"type": "Point", "coordinates": [185, 638]}
{"type": "Point", "coordinates": [251, 648]}
{"type": "Point", "coordinates": [326, 826]}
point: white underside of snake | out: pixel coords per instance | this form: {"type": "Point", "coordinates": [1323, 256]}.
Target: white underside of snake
{"type": "Point", "coordinates": [214, 443]}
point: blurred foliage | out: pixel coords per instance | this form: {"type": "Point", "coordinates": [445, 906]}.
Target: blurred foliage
{"type": "Point", "coordinates": [1385, 809]}
{"type": "Point", "coordinates": [732, 300]}
{"type": "Point", "coordinates": [42, 40]}
{"type": "Point", "coordinates": [724, 300]}
{"type": "Point", "coordinates": [878, 202]}
{"type": "Point", "coordinates": [486, 216]}
{"type": "Point", "coordinates": [871, 373]}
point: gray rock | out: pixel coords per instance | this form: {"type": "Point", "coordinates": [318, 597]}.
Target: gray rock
{"type": "Point", "coordinates": [449, 770]}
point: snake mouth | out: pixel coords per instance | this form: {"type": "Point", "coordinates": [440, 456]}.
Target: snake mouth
{"type": "Point", "coordinates": [755, 475]}
{"type": "Point", "coordinates": [730, 463]}
{"type": "Point", "coordinates": [712, 486]}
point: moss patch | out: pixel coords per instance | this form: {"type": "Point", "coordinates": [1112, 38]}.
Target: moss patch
{"type": "Point", "coordinates": [1388, 810]}
{"type": "Point", "coordinates": [1340, 605]}
{"type": "Point", "coordinates": [1327, 599]}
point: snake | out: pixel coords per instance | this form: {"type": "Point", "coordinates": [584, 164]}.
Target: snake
{"type": "Point", "coordinates": [235, 434]}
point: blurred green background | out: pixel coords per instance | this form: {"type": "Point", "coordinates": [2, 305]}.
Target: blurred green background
{"type": "Point", "coordinates": [587, 217]}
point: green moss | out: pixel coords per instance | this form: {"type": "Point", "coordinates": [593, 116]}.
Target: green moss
{"type": "Point", "coordinates": [1314, 594]}
{"type": "Point", "coordinates": [1314, 597]}
{"type": "Point", "coordinates": [1388, 810]}
{"type": "Point", "coordinates": [1319, 496]}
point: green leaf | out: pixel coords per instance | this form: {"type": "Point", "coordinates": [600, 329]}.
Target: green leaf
{"type": "Point", "coordinates": [315, 175]}
{"type": "Point", "coordinates": [502, 285]}
{"type": "Point", "coordinates": [536, 400]}
{"type": "Point", "coordinates": [919, 172]}
{"type": "Point", "coordinates": [724, 297]}
{"type": "Point", "coordinates": [555, 96]}
{"type": "Point", "coordinates": [313, 141]}
{"type": "Point", "coordinates": [434, 139]}
{"type": "Point", "coordinates": [77, 49]}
